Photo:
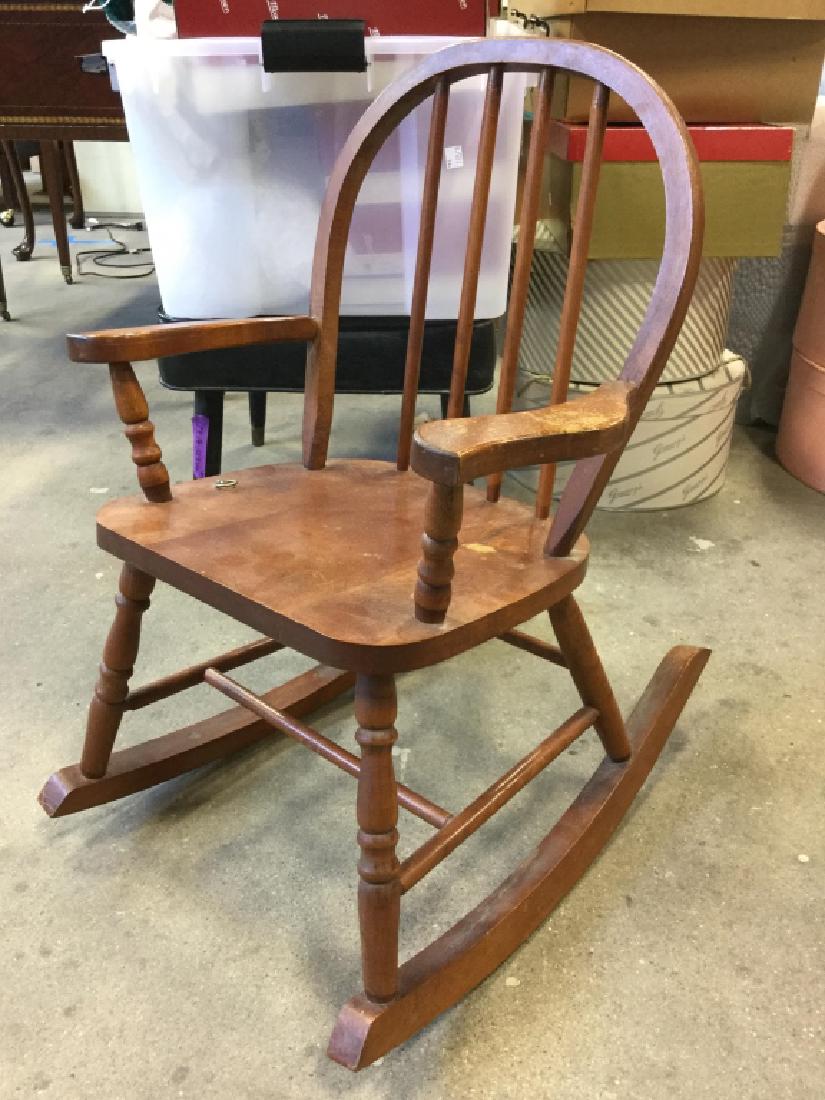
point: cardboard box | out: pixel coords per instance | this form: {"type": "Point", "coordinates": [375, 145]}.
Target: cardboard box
{"type": "Point", "coordinates": [723, 66]}
{"type": "Point", "coordinates": [745, 173]}
{"type": "Point", "coordinates": [744, 9]}
{"type": "Point", "coordinates": [243, 18]}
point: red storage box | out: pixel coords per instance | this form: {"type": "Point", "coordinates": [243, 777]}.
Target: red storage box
{"type": "Point", "coordinates": [243, 18]}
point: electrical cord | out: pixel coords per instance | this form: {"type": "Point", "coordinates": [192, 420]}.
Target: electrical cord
{"type": "Point", "coordinates": [103, 257]}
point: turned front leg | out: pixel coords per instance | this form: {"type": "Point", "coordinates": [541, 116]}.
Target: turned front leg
{"type": "Point", "coordinates": [442, 521]}
{"type": "Point", "coordinates": [379, 893]}
{"type": "Point", "coordinates": [119, 653]}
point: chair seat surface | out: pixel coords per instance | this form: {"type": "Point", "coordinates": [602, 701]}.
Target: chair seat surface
{"type": "Point", "coordinates": [325, 560]}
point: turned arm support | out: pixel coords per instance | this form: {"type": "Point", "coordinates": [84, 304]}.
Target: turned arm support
{"type": "Point", "coordinates": [118, 347]}
{"type": "Point", "coordinates": [453, 452]}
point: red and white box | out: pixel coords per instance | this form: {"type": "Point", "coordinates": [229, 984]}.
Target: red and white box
{"type": "Point", "coordinates": [243, 18]}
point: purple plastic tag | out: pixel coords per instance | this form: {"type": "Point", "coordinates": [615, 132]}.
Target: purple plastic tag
{"type": "Point", "coordinates": [200, 438]}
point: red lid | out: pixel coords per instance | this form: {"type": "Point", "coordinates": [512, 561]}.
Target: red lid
{"type": "Point", "coordinates": [631, 143]}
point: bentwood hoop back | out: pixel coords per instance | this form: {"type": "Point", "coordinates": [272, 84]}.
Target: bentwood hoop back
{"type": "Point", "coordinates": [323, 558]}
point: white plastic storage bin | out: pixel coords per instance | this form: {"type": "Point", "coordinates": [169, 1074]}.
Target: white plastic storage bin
{"type": "Point", "coordinates": [232, 165]}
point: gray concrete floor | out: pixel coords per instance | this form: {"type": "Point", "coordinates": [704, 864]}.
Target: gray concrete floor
{"type": "Point", "coordinates": [197, 940]}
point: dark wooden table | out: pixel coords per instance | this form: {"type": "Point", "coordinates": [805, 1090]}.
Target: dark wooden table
{"type": "Point", "coordinates": [46, 97]}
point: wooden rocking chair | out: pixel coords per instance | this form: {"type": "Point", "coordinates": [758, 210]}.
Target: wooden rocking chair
{"type": "Point", "coordinates": [322, 557]}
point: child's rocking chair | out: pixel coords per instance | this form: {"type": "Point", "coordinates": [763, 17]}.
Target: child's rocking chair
{"type": "Point", "coordinates": [323, 557]}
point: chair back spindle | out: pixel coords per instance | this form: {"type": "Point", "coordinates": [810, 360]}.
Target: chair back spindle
{"type": "Point", "coordinates": [577, 269]}
{"type": "Point", "coordinates": [475, 240]}
{"type": "Point", "coordinates": [493, 59]}
{"type": "Point", "coordinates": [421, 281]}
{"type": "Point", "coordinates": [528, 216]}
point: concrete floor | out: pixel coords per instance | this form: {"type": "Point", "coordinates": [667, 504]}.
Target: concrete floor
{"type": "Point", "coordinates": [197, 940]}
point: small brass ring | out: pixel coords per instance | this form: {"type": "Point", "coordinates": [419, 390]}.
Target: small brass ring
{"type": "Point", "coordinates": [226, 483]}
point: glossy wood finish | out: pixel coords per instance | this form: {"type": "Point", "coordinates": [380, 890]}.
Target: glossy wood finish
{"type": "Point", "coordinates": [153, 341]}
{"type": "Point", "coordinates": [56, 156]}
{"type": "Point", "coordinates": [462, 825]}
{"type": "Point", "coordinates": [322, 558]}
{"type": "Point", "coordinates": [451, 452]}
{"type": "Point", "coordinates": [472, 949]}
{"type": "Point", "coordinates": [528, 217]}
{"type": "Point", "coordinates": [589, 676]}
{"type": "Point", "coordinates": [263, 553]}
{"type": "Point", "coordinates": [194, 674]}
{"type": "Point", "coordinates": [47, 98]}
{"type": "Point", "coordinates": [78, 218]}
{"type": "Point", "coordinates": [42, 79]}
{"type": "Point", "coordinates": [174, 754]}
{"type": "Point", "coordinates": [51, 166]}
{"type": "Point", "coordinates": [537, 646]}
{"type": "Point", "coordinates": [328, 750]}
{"type": "Point", "coordinates": [577, 269]}
{"type": "Point", "coordinates": [23, 250]}
{"type": "Point", "coordinates": [130, 402]}
{"type": "Point", "coordinates": [119, 653]}
{"type": "Point", "coordinates": [475, 239]}
{"type": "Point", "coordinates": [442, 521]}
{"type": "Point", "coordinates": [379, 891]}
{"type": "Point", "coordinates": [421, 282]}
{"type": "Point", "coordinates": [684, 221]}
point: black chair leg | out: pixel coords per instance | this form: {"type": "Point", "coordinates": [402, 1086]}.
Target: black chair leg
{"type": "Point", "coordinates": [257, 416]}
{"type": "Point", "coordinates": [209, 403]}
{"type": "Point", "coordinates": [445, 401]}
{"type": "Point", "coordinates": [4, 309]}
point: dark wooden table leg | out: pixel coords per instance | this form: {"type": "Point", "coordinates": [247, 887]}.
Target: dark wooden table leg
{"type": "Point", "coordinates": [4, 311]}
{"type": "Point", "coordinates": [8, 192]}
{"type": "Point", "coordinates": [209, 403]}
{"type": "Point", "coordinates": [257, 416]}
{"type": "Point", "coordinates": [23, 250]}
{"type": "Point", "coordinates": [52, 168]}
{"type": "Point", "coordinates": [78, 218]}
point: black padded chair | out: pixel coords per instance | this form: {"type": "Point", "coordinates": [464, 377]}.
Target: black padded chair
{"type": "Point", "coordinates": [371, 355]}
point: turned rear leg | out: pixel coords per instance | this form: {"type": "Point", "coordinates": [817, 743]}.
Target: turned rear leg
{"type": "Point", "coordinates": [119, 653]}
{"type": "Point", "coordinates": [589, 676]}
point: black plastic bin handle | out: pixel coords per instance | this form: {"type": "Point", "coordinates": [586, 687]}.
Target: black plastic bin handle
{"type": "Point", "coordinates": [314, 46]}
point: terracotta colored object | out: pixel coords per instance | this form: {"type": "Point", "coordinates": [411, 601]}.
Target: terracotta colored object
{"type": "Point", "coordinates": [800, 444]}
{"type": "Point", "coordinates": [809, 334]}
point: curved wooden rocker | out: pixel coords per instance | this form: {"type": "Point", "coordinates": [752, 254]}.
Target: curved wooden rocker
{"type": "Point", "coordinates": [323, 557]}
{"type": "Point", "coordinates": [440, 975]}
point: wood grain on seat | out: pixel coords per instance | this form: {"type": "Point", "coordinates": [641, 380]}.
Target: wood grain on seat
{"type": "Point", "coordinates": [325, 560]}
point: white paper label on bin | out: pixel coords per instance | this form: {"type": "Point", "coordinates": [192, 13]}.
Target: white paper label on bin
{"type": "Point", "coordinates": [454, 156]}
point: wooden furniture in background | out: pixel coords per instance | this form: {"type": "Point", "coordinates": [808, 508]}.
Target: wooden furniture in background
{"type": "Point", "coordinates": [45, 97]}
{"type": "Point", "coordinates": [323, 557]}
{"type": "Point", "coordinates": [4, 306]}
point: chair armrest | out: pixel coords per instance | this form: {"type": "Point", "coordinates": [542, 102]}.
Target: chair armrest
{"type": "Point", "coordinates": [120, 345]}
{"type": "Point", "coordinates": [452, 452]}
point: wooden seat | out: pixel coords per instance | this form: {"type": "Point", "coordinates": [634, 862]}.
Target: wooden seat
{"type": "Point", "coordinates": [376, 569]}
{"type": "Point", "coordinates": [287, 552]}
